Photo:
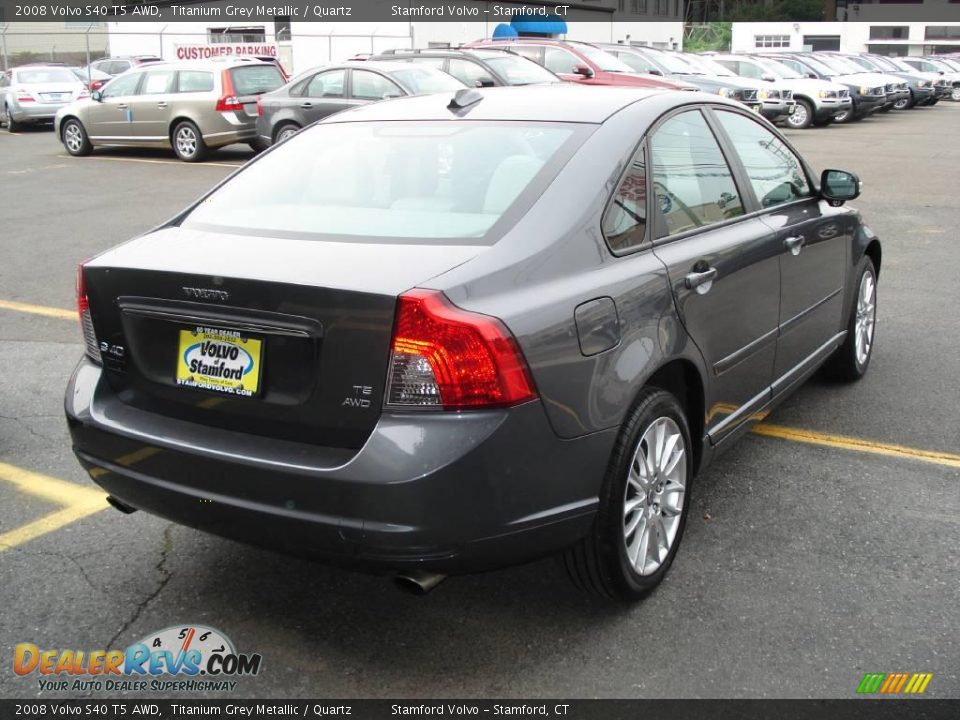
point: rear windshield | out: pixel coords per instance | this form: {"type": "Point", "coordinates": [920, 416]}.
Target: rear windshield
{"type": "Point", "coordinates": [518, 70]}
{"type": "Point", "coordinates": [255, 79]}
{"type": "Point", "coordinates": [423, 80]}
{"type": "Point", "coordinates": [42, 76]}
{"type": "Point", "coordinates": [400, 180]}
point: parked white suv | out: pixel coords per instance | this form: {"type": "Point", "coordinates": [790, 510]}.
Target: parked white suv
{"type": "Point", "coordinates": [818, 101]}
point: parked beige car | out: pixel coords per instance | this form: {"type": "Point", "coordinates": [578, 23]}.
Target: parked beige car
{"type": "Point", "coordinates": [189, 106]}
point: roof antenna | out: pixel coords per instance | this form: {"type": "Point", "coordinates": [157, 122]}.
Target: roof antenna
{"type": "Point", "coordinates": [464, 99]}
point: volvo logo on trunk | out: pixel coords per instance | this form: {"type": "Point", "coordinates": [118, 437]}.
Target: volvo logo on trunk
{"type": "Point", "coordinates": [206, 293]}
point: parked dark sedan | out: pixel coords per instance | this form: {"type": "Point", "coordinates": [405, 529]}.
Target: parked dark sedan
{"type": "Point", "coordinates": [323, 91]}
{"type": "Point", "coordinates": [477, 68]}
{"type": "Point", "coordinates": [465, 330]}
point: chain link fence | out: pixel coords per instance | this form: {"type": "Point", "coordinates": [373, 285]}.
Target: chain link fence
{"type": "Point", "coordinates": [22, 43]}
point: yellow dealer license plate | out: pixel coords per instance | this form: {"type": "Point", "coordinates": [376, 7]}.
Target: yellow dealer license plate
{"type": "Point", "coordinates": [225, 361]}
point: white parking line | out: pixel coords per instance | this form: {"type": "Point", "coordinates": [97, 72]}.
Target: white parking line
{"type": "Point", "coordinates": [156, 162]}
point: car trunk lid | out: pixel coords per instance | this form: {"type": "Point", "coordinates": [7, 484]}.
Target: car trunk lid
{"type": "Point", "coordinates": [310, 322]}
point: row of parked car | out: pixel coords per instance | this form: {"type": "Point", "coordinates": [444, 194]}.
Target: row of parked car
{"type": "Point", "coordinates": [196, 106]}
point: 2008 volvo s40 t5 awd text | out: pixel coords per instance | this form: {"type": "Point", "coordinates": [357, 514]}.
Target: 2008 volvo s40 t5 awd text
{"type": "Point", "coordinates": [455, 332]}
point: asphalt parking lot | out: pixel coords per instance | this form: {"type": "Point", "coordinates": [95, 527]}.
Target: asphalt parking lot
{"type": "Point", "coordinates": [822, 547]}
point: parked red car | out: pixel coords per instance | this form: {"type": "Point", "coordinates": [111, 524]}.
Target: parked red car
{"type": "Point", "coordinates": [581, 62]}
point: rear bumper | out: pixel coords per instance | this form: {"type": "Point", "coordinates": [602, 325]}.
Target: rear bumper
{"type": "Point", "coordinates": [35, 112]}
{"type": "Point", "coordinates": [443, 492]}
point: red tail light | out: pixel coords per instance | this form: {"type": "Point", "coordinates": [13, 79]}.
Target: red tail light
{"type": "Point", "coordinates": [24, 97]}
{"type": "Point", "coordinates": [259, 107]}
{"type": "Point", "coordinates": [228, 101]}
{"type": "Point", "coordinates": [86, 321]}
{"type": "Point", "coordinates": [445, 357]}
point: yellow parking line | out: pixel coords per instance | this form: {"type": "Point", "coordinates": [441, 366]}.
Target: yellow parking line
{"type": "Point", "coordinates": [844, 442]}
{"type": "Point", "coordinates": [45, 310]}
{"type": "Point", "coordinates": [80, 501]}
{"type": "Point", "coordinates": [51, 522]}
{"type": "Point", "coordinates": [155, 162]}
{"type": "Point", "coordinates": [48, 488]}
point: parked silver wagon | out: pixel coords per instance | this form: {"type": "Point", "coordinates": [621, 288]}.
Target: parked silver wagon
{"type": "Point", "coordinates": [190, 106]}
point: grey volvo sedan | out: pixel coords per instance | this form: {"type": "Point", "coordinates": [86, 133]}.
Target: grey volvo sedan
{"type": "Point", "coordinates": [455, 332]}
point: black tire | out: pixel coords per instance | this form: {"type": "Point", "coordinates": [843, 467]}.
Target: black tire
{"type": "Point", "coordinates": [599, 563]}
{"type": "Point", "coordinates": [807, 115]}
{"type": "Point", "coordinates": [848, 363]}
{"type": "Point", "coordinates": [846, 116]}
{"type": "Point", "coordinates": [187, 142]}
{"type": "Point", "coordinates": [74, 138]}
{"type": "Point", "coordinates": [258, 145]}
{"type": "Point", "coordinates": [12, 125]}
{"type": "Point", "coordinates": [282, 129]}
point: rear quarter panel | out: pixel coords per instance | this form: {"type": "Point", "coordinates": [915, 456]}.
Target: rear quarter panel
{"type": "Point", "coordinates": [554, 259]}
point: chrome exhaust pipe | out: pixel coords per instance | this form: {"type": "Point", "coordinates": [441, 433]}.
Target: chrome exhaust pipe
{"type": "Point", "coordinates": [418, 582]}
{"type": "Point", "coordinates": [120, 505]}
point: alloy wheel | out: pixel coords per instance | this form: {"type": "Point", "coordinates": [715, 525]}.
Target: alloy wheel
{"type": "Point", "coordinates": [286, 133]}
{"type": "Point", "coordinates": [901, 104]}
{"type": "Point", "coordinates": [72, 137]}
{"type": "Point", "coordinates": [799, 117]}
{"type": "Point", "coordinates": [866, 317]}
{"type": "Point", "coordinates": [654, 495]}
{"type": "Point", "coordinates": [186, 142]}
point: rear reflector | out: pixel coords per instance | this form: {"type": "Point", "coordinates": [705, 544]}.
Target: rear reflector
{"type": "Point", "coordinates": [86, 322]}
{"type": "Point", "coordinates": [445, 357]}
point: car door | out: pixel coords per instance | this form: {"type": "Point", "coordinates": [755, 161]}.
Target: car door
{"type": "Point", "coordinates": [723, 266]}
{"type": "Point", "coordinates": [112, 117]}
{"type": "Point", "coordinates": [813, 239]}
{"type": "Point", "coordinates": [150, 107]}
{"type": "Point", "coordinates": [325, 94]}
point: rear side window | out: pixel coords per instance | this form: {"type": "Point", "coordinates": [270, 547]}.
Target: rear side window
{"type": "Point", "coordinates": [255, 79]}
{"type": "Point", "coordinates": [774, 172]}
{"type": "Point", "coordinates": [692, 181]}
{"type": "Point", "coordinates": [625, 222]}
{"type": "Point", "coordinates": [357, 182]}
{"type": "Point", "coordinates": [531, 52]}
{"type": "Point", "coordinates": [118, 66]}
{"type": "Point", "coordinates": [158, 82]}
{"type": "Point", "coordinates": [195, 81]}
{"type": "Point", "coordinates": [426, 80]}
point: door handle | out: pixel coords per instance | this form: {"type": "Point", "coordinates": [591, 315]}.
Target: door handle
{"type": "Point", "coordinates": [306, 105]}
{"type": "Point", "coordinates": [795, 244]}
{"type": "Point", "coordinates": [701, 281]}
{"type": "Point", "coordinates": [121, 106]}
{"type": "Point", "coordinates": [161, 104]}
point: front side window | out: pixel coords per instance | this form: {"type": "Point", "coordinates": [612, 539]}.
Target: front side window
{"type": "Point", "coordinates": [625, 222]}
{"type": "Point", "coordinates": [158, 82]}
{"type": "Point", "coordinates": [691, 179]}
{"type": "Point", "coordinates": [470, 73]}
{"type": "Point", "coordinates": [560, 61]}
{"type": "Point", "coordinates": [531, 52]}
{"type": "Point", "coordinates": [773, 171]}
{"type": "Point", "coordinates": [519, 71]}
{"type": "Point", "coordinates": [370, 86]}
{"type": "Point", "coordinates": [390, 181]}
{"type": "Point", "coordinates": [327, 84]}
{"type": "Point", "coordinates": [422, 80]}
{"type": "Point", "coordinates": [122, 86]}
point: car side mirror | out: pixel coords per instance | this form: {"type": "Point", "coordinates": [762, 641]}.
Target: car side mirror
{"type": "Point", "coordinates": [767, 77]}
{"type": "Point", "coordinates": [391, 95]}
{"type": "Point", "coordinates": [583, 70]}
{"type": "Point", "coordinates": [812, 75]}
{"type": "Point", "coordinates": [838, 186]}
{"type": "Point", "coordinates": [96, 95]}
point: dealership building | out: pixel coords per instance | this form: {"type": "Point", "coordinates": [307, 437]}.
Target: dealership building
{"type": "Point", "coordinates": [304, 44]}
{"type": "Point", "coordinates": [876, 36]}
